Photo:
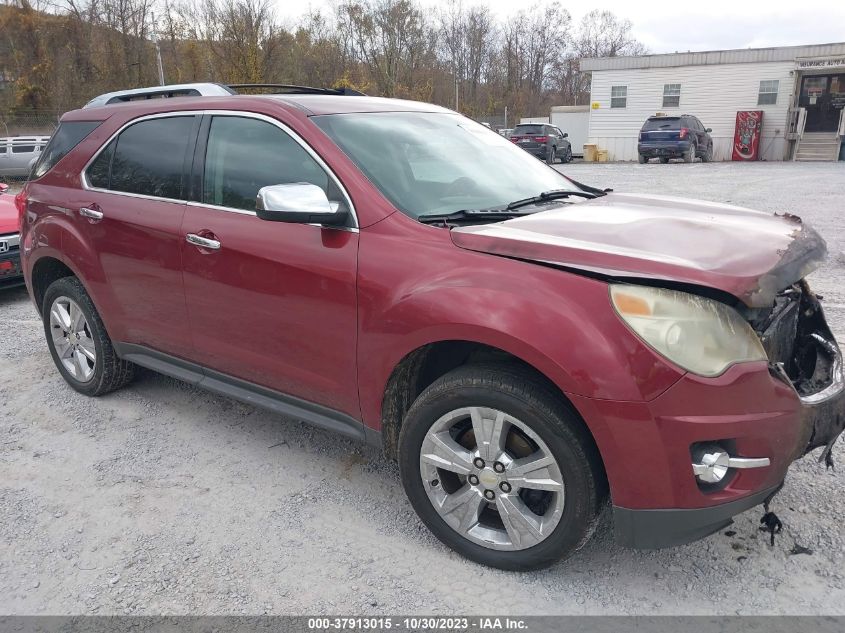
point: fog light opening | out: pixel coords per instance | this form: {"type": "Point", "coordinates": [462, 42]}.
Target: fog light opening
{"type": "Point", "coordinates": [712, 463]}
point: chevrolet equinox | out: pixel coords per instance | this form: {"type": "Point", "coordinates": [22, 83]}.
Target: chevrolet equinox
{"type": "Point", "coordinates": [527, 347]}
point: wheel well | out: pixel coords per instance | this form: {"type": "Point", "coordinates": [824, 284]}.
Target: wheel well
{"type": "Point", "coordinates": [46, 271]}
{"type": "Point", "coordinates": [423, 366]}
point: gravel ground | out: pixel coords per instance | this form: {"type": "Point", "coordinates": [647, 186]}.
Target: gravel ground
{"type": "Point", "coordinates": [165, 499]}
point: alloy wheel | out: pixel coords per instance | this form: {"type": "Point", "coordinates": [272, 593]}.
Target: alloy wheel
{"type": "Point", "coordinates": [72, 339]}
{"type": "Point", "coordinates": [491, 478]}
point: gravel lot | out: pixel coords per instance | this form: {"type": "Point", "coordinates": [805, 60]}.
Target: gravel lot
{"type": "Point", "coordinates": [165, 499]}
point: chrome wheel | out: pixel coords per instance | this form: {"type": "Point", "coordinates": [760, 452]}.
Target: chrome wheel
{"type": "Point", "coordinates": [72, 339]}
{"type": "Point", "coordinates": [491, 478]}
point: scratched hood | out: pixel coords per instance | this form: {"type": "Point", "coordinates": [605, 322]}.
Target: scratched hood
{"type": "Point", "coordinates": [748, 254]}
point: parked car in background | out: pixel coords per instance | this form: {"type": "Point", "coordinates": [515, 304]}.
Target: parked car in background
{"type": "Point", "coordinates": [664, 137]}
{"type": "Point", "coordinates": [11, 273]}
{"type": "Point", "coordinates": [527, 347]}
{"type": "Point", "coordinates": [17, 154]}
{"type": "Point", "coordinates": [506, 132]}
{"type": "Point", "coordinates": [544, 141]}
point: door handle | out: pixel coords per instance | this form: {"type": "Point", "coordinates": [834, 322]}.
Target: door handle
{"type": "Point", "coordinates": [92, 213]}
{"type": "Point", "coordinates": [203, 242]}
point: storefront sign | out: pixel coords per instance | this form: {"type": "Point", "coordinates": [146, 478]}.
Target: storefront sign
{"type": "Point", "coordinates": [811, 64]}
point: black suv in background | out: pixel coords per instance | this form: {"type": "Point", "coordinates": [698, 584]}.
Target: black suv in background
{"type": "Point", "coordinates": [666, 137]}
{"type": "Point", "coordinates": [546, 142]}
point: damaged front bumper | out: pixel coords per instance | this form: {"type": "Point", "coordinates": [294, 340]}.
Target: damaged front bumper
{"type": "Point", "coordinates": [804, 355]}
{"type": "Point", "coordinates": [781, 411]}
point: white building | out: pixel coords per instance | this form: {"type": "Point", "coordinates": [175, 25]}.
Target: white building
{"type": "Point", "coordinates": [800, 89]}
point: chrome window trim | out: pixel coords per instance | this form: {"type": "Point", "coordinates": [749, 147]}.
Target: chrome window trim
{"type": "Point", "coordinates": [236, 113]}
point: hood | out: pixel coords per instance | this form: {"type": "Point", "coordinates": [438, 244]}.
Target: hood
{"type": "Point", "coordinates": [748, 254]}
{"type": "Point", "coordinates": [8, 214]}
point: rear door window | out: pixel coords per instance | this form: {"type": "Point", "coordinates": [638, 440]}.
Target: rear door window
{"type": "Point", "coordinates": [68, 136]}
{"type": "Point", "coordinates": [149, 158]}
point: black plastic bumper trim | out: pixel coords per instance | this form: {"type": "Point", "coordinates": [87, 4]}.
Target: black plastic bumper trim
{"type": "Point", "coordinates": [655, 529]}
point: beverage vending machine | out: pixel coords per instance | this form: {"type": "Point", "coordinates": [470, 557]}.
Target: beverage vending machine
{"type": "Point", "coordinates": [749, 124]}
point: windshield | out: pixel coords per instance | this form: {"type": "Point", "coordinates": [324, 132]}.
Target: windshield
{"type": "Point", "coordinates": [662, 123]}
{"type": "Point", "coordinates": [427, 163]}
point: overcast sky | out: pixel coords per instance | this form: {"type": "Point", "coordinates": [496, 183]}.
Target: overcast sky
{"type": "Point", "coordinates": [667, 26]}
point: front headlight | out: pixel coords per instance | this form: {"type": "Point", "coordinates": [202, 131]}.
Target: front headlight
{"type": "Point", "coordinates": [700, 335]}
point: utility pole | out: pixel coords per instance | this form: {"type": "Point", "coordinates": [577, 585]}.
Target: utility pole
{"type": "Point", "coordinates": [506, 116]}
{"type": "Point", "coordinates": [456, 92]}
{"type": "Point", "coordinates": [158, 52]}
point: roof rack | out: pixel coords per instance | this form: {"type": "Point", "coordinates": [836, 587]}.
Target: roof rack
{"type": "Point", "coordinates": [208, 90]}
{"type": "Point", "coordinates": [156, 92]}
{"type": "Point", "coordinates": [294, 89]}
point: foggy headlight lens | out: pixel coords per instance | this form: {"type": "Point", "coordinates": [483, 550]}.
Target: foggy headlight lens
{"type": "Point", "coordinates": [700, 335]}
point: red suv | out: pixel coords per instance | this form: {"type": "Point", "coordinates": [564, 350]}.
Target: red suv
{"type": "Point", "coordinates": [526, 346]}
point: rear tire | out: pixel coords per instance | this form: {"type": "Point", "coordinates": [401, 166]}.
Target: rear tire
{"type": "Point", "coordinates": [504, 397]}
{"type": "Point", "coordinates": [642, 159]}
{"type": "Point", "coordinates": [550, 155]}
{"type": "Point", "coordinates": [664, 160]}
{"type": "Point", "coordinates": [78, 342]}
{"type": "Point", "coordinates": [689, 155]}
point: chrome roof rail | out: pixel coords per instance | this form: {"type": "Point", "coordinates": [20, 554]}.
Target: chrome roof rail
{"type": "Point", "coordinates": [153, 92]}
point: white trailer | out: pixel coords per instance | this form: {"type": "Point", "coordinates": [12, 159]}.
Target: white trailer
{"type": "Point", "coordinates": [575, 121]}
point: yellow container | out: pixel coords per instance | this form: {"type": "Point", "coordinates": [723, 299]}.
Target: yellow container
{"type": "Point", "coordinates": [590, 150]}
{"type": "Point", "coordinates": [601, 156]}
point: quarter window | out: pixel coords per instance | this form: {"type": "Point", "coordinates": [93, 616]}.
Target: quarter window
{"type": "Point", "coordinates": [618, 96]}
{"type": "Point", "coordinates": [768, 94]}
{"type": "Point", "coordinates": [244, 155]}
{"type": "Point", "coordinates": [149, 158]}
{"type": "Point", "coordinates": [671, 95]}
{"type": "Point", "coordinates": [65, 139]}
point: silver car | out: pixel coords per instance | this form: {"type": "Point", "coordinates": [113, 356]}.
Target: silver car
{"type": "Point", "coordinates": [18, 153]}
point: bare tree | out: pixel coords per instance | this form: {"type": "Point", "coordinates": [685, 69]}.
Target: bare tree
{"type": "Point", "coordinates": [602, 34]}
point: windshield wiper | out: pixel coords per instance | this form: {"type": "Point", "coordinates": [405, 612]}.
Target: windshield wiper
{"type": "Point", "coordinates": [554, 194]}
{"type": "Point", "coordinates": [493, 215]}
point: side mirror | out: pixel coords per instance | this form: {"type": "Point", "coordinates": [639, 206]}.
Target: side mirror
{"type": "Point", "coordinates": [565, 135]}
{"type": "Point", "coordinates": [298, 202]}
{"type": "Point", "coordinates": [708, 129]}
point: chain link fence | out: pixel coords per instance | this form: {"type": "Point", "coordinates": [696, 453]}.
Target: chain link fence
{"type": "Point", "coordinates": [28, 124]}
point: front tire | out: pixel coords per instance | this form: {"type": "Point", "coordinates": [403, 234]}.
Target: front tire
{"type": "Point", "coordinates": [708, 155]}
{"type": "Point", "coordinates": [524, 495]}
{"type": "Point", "coordinates": [567, 155]}
{"type": "Point", "coordinates": [78, 342]}
{"type": "Point", "coordinates": [643, 159]}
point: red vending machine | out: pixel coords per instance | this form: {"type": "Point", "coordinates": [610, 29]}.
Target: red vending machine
{"type": "Point", "coordinates": [749, 124]}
